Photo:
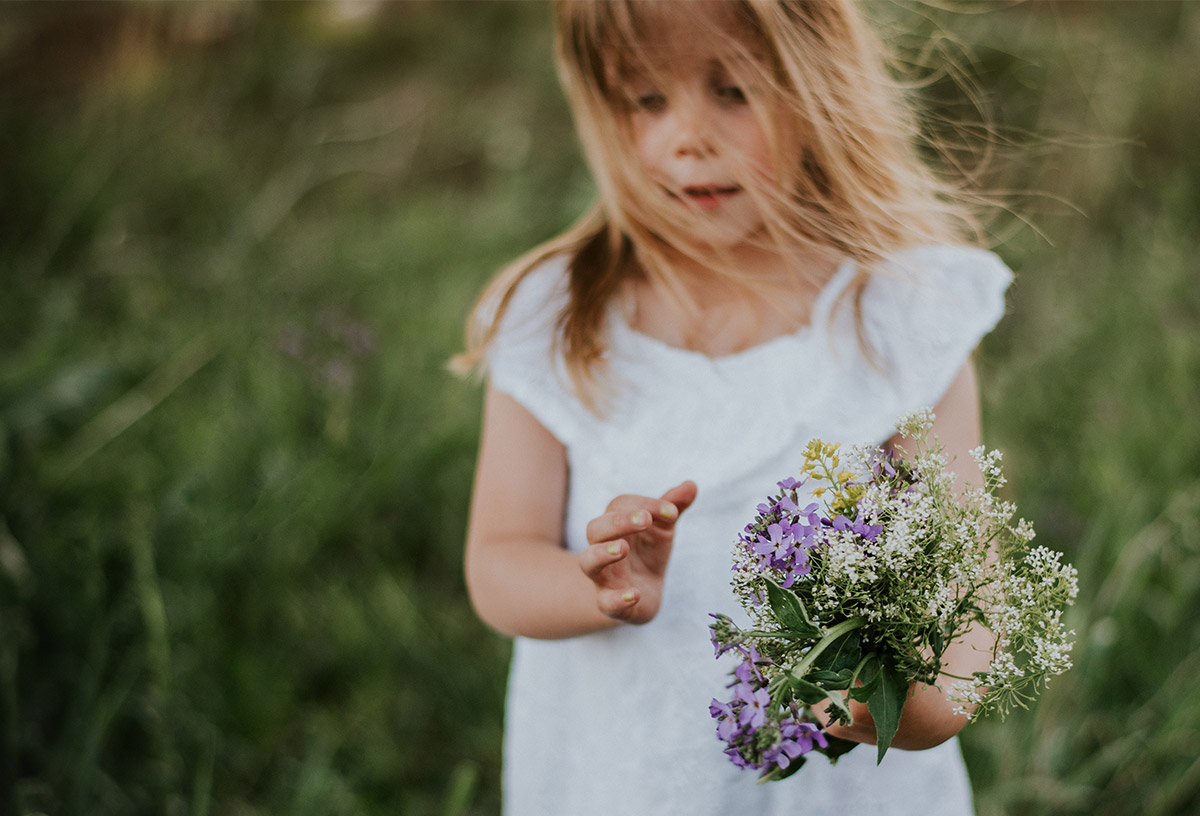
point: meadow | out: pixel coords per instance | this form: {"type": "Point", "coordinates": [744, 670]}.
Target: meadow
{"type": "Point", "coordinates": [238, 246]}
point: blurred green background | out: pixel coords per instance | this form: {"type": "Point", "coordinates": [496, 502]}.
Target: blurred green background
{"type": "Point", "coordinates": [238, 244]}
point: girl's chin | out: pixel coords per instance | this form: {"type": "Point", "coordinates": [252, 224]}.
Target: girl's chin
{"type": "Point", "coordinates": [729, 237]}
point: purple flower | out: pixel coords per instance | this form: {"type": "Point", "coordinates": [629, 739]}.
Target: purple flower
{"type": "Point", "coordinates": [778, 544]}
{"type": "Point", "coordinates": [754, 712]}
{"type": "Point", "coordinates": [727, 723]}
{"type": "Point", "coordinates": [799, 568]}
{"type": "Point", "coordinates": [859, 527]}
{"type": "Point", "coordinates": [735, 756]}
{"type": "Point", "coordinates": [725, 635]}
{"type": "Point", "coordinates": [803, 734]}
{"type": "Point", "coordinates": [882, 461]}
{"type": "Point", "coordinates": [747, 671]}
{"type": "Point", "coordinates": [868, 531]}
{"type": "Point", "coordinates": [796, 739]}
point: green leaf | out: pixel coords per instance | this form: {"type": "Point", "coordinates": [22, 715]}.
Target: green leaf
{"type": "Point", "coordinates": [806, 692]}
{"type": "Point", "coordinates": [937, 641]}
{"type": "Point", "coordinates": [861, 694]}
{"type": "Point", "coordinates": [778, 773]}
{"type": "Point", "coordinates": [843, 654]}
{"type": "Point", "coordinates": [886, 705]}
{"type": "Point", "coordinates": [868, 677]}
{"type": "Point", "coordinates": [837, 708]}
{"type": "Point", "coordinates": [790, 612]}
{"type": "Point", "coordinates": [838, 747]}
{"type": "Point", "coordinates": [833, 680]}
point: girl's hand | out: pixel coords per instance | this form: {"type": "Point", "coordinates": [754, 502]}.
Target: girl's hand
{"type": "Point", "coordinates": [629, 547]}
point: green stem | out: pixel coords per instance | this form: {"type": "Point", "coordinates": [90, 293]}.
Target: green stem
{"type": "Point", "coordinates": [831, 635]}
{"type": "Point", "coordinates": [763, 633]}
{"type": "Point", "coordinates": [858, 669]}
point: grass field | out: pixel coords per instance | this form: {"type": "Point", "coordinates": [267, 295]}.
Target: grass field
{"type": "Point", "coordinates": [239, 243]}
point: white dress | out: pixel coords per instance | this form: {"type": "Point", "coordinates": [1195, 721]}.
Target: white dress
{"type": "Point", "coordinates": [618, 722]}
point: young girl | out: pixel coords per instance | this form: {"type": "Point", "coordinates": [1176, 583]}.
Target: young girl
{"type": "Point", "coordinates": [769, 261]}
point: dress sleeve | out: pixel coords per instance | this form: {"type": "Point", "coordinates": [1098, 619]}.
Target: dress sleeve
{"type": "Point", "coordinates": [926, 311]}
{"type": "Point", "coordinates": [522, 360]}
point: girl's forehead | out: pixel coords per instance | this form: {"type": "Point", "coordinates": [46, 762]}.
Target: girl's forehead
{"type": "Point", "coordinates": [683, 46]}
{"type": "Point", "coordinates": [680, 63]}
{"type": "Point", "coordinates": [665, 27]}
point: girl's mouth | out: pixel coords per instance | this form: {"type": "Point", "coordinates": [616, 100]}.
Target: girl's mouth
{"type": "Point", "coordinates": [708, 196]}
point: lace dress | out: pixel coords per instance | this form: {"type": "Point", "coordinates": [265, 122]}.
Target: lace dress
{"type": "Point", "coordinates": [618, 721]}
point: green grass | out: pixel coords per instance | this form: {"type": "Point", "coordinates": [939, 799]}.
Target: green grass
{"type": "Point", "coordinates": [240, 243]}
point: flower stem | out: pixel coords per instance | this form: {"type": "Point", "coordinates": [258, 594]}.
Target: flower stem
{"type": "Point", "coordinates": [830, 636]}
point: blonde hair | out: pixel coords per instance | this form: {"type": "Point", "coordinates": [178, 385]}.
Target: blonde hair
{"type": "Point", "coordinates": [844, 137]}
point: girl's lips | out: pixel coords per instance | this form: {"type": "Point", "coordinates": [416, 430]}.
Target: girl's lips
{"type": "Point", "coordinates": [708, 197]}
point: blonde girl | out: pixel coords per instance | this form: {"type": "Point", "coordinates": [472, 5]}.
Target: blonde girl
{"type": "Point", "coordinates": [768, 260]}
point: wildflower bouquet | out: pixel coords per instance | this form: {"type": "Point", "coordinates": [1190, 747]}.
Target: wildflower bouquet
{"type": "Point", "coordinates": [858, 595]}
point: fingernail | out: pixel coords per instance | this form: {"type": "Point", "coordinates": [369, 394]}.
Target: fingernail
{"type": "Point", "coordinates": [628, 597]}
{"type": "Point", "coordinates": [640, 518]}
{"type": "Point", "coordinates": [614, 548]}
{"type": "Point", "coordinates": [668, 511]}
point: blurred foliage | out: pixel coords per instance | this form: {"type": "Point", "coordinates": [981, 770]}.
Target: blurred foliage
{"type": "Point", "coordinates": [238, 248]}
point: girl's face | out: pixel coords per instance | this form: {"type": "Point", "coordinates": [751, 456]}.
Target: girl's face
{"type": "Point", "coordinates": [701, 145]}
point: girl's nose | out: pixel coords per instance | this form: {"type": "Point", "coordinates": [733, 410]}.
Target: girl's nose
{"type": "Point", "coordinates": [691, 137]}
{"type": "Point", "coordinates": [692, 146]}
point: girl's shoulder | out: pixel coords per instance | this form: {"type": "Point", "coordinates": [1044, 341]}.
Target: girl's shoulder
{"type": "Point", "coordinates": [949, 285]}
{"type": "Point", "coordinates": [522, 359]}
{"type": "Point", "coordinates": [526, 313]}
{"type": "Point", "coordinates": [924, 310]}
{"type": "Point", "coordinates": [958, 268]}
{"type": "Point", "coordinates": [537, 294]}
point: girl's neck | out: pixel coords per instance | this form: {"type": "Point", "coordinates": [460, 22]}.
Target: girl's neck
{"type": "Point", "coordinates": [700, 309]}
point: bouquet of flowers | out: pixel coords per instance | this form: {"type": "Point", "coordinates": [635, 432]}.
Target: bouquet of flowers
{"type": "Point", "coordinates": [858, 595]}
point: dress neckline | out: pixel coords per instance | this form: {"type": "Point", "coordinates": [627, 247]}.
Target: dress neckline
{"type": "Point", "coordinates": [818, 320]}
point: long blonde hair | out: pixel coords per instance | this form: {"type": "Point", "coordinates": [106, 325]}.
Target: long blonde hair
{"type": "Point", "coordinates": [845, 143]}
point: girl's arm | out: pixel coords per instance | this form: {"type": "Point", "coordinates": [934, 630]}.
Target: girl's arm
{"type": "Point", "coordinates": [929, 717]}
{"type": "Point", "coordinates": [521, 579]}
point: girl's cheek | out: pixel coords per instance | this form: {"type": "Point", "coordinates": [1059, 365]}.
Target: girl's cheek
{"type": "Point", "coordinates": [647, 142]}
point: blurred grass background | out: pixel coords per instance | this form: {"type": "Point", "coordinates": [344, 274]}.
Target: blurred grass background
{"type": "Point", "coordinates": [239, 241]}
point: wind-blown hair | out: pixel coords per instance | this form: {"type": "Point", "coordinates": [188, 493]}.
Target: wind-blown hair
{"type": "Point", "coordinates": [847, 171]}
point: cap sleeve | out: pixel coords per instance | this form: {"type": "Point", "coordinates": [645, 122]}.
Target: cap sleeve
{"type": "Point", "coordinates": [522, 361]}
{"type": "Point", "coordinates": [924, 313]}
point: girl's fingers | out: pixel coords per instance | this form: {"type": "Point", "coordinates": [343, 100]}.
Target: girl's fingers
{"type": "Point", "coordinates": [595, 559]}
{"type": "Point", "coordinates": [616, 603]}
{"type": "Point", "coordinates": [682, 495]}
{"type": "Point", "coordinates": [628, 516]}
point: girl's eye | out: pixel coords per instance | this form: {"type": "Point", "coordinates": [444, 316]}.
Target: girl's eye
{"type": "Point", "coordinates": [650, 102]}
{"type": "Point", "coordinates": [731, 94]}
